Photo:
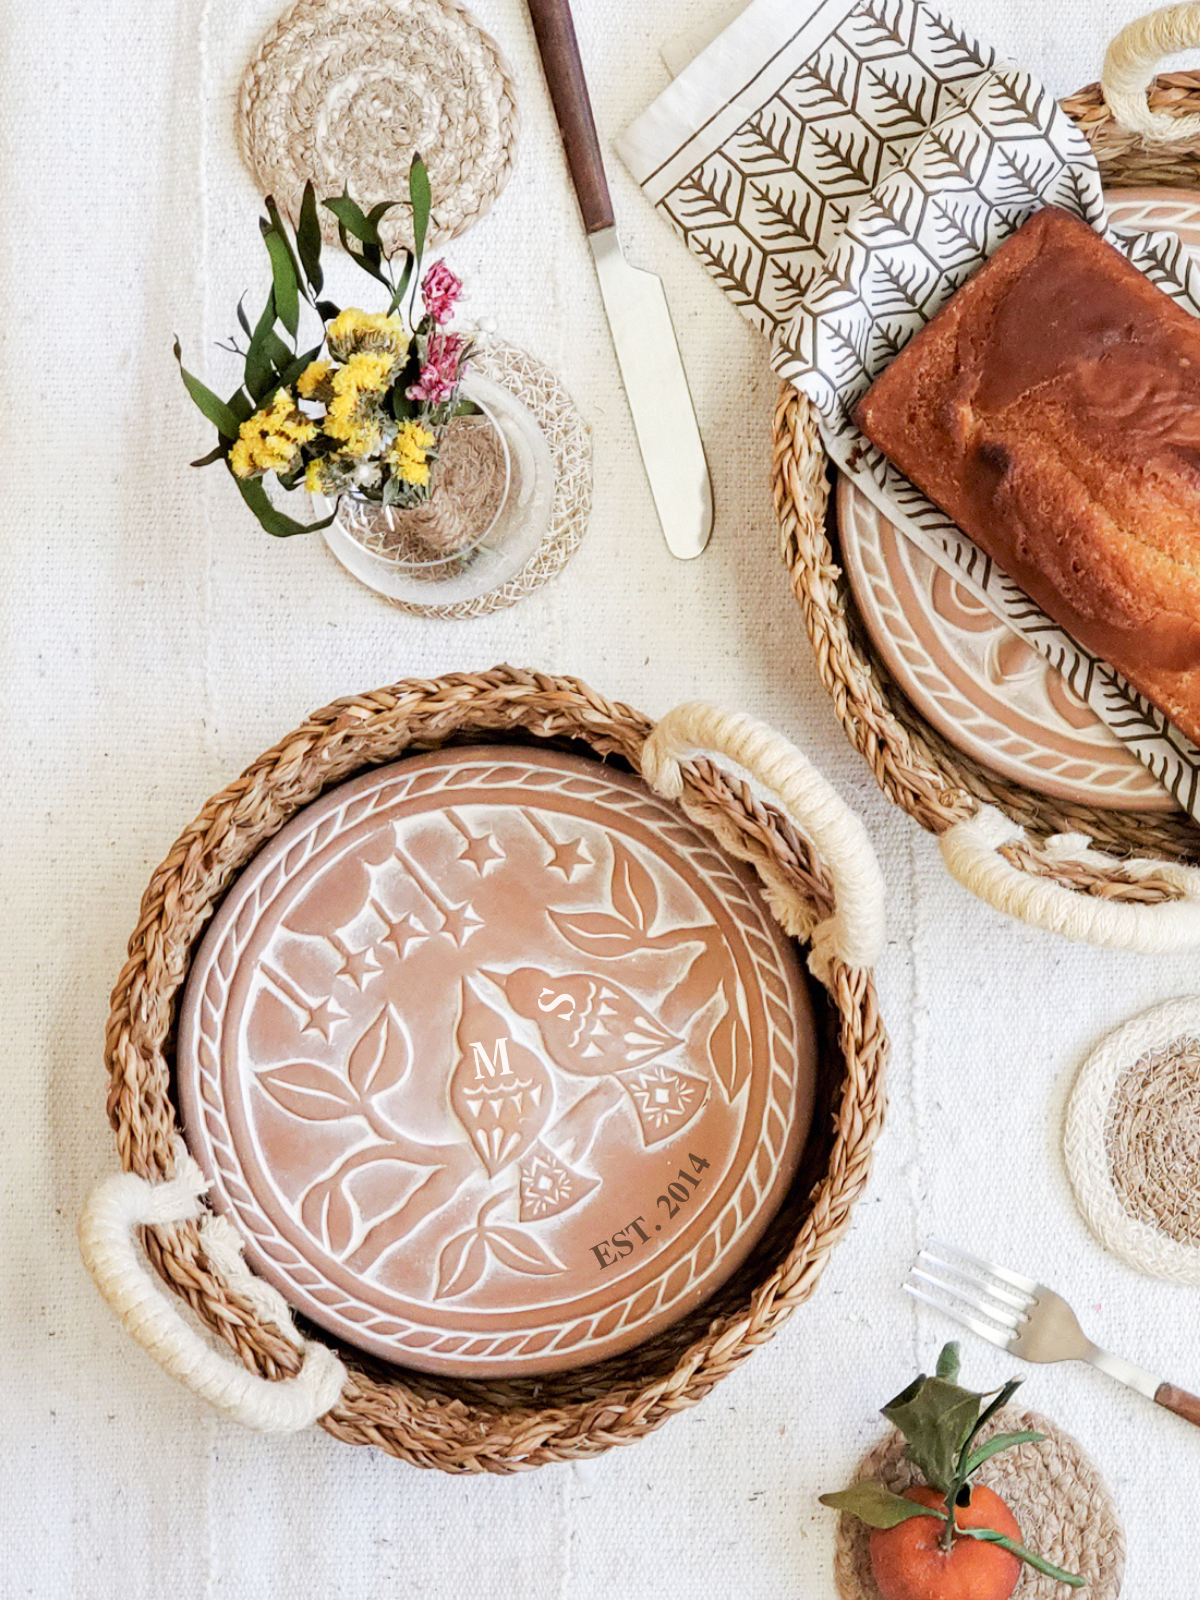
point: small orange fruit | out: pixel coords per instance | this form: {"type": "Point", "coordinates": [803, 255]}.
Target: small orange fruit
{"type": "Point", "coordinates": [908, 1561]}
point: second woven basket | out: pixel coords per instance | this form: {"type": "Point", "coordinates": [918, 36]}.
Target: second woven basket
{"type": "Point", "coordinates": [1115, 878]}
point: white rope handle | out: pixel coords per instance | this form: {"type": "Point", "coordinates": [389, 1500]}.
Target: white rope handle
{"type": "Point", "coordinates": [971, 852]}
{"type": "Point", "coordinates": [786, 779]}
{"type": "Point", "coordinates": [125, 1202]}
{"type": "Point", "coordinates": [1129, 68]}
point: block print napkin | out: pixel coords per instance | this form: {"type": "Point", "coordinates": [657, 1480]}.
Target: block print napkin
{"type": "Point", "coordinates": [840, 172]}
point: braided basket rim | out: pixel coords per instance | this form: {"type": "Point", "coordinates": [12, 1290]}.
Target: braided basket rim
{"type": "Point", "coordinates": [477, 1425]}
{"type": "Point", "coordinates": [914, 765]}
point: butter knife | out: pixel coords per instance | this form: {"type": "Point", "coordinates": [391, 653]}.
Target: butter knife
{"type": "Point", "coordinates": [638, 316]}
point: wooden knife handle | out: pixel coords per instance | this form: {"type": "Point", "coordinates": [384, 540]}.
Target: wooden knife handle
{"type": "Point", "coordinates": [554, 29]}
{"type": "Point", "coordinates": [1179, 1401]}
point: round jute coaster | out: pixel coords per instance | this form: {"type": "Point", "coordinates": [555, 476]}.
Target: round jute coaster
{"type": "Point", "coordinates": [347, 92]}
{"type": "Point", "coordinates": [570, 444]}
{"type": "Point", "coordinates": [1058, 1497]}
{"type": "Point", "coordinates": [1132, 1141]}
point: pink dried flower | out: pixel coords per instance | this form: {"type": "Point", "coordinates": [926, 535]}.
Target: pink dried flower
{"type": "Point", "coordinates": [440, 369]}
{"type": "Point", "coordinates": [440, 289]}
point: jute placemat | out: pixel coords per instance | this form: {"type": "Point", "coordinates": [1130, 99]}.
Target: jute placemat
{"type": "Point", "coordinates": [347, 92]}
{"type": "Point", "coordinates": [1059, 1499]}
{"type": "Point", "coordinates": [571, 449]}
{"type": "Point", "coordinates": [1132, 1141]}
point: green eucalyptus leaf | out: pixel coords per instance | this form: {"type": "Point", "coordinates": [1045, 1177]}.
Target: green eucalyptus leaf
{"type": "Point", "coordinates": [999, 1442]}
{"type": "Point", "coordinates": [376, 215]}
{"type": "Point", "coordinates": [285, 284]}
{"type": "Point", "coordinates": [294, 368]}
{"type": "Point", "coordinates": [936, 1418]}
{"type": "Point", "coordinates": [308, 239]}
{"type": "Point", "coordinates": [215, 454]}
{"type": "Point", "coordinates": [465, 408]}
{"type": "Point", "coordinates": [243, 319]}
{"type": "Point", "coordinates": [260, 369]}
{"type": "Point", "coordinates": [878, 1507]}
{"type": "Point", "coordinates": [241, 405]}
{"type": "Point", "coordinates": [351, 217]}
{"type": "Point", "coordinates": [421, 196]}
{"type": "Point", "coordinates": [405, 279]}
{"type": "Point", "coordinates": [948, 1362]}
{"type": "Point", "coordinates": [402, 407]}
{"type": "Point", "coordinates": [253, 492]}
{"type": "Point", "coordinates": [1037, 1562]}
{"type": "Point", "coordinates": [215, 409]}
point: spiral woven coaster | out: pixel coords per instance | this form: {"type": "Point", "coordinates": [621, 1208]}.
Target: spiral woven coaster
{"type": "Point", "coordinates": [1058, 1497]}
{"type": "Point", "coordinates": [347, 92]}
{"type": "Point", "coordinates": [1132, 1141]}
{"type": "Point", "coordinates": [571, 449]}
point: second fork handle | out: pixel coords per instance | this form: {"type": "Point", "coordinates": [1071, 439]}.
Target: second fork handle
{"type": "Point", "coordinates": [1179, 1401]}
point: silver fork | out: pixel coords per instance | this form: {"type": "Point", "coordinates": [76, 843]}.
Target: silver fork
{"type": "Point", "coordinates": [1026, 1318]}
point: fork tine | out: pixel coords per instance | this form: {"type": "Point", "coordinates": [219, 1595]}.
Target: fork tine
{"type": "Point", "coordinates": [990, 1308]}
{"type": "Point", "coordinates": [985, 1330]}
{"type": "Point", "coordinates": [977, 1279]}
{"type": "Point", "coordinates": [952, 1252]}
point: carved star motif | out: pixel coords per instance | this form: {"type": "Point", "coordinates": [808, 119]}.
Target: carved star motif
{"type": "Point", "coordinates": [403, 932]}
{"type": "Point", "coordinates": [460, 922]}
{"type": "Point", "coordinates": [566, 857]}
{"type": "Point", "coordinates": [480, 851]}
{"type": "Point", "coordinates": [359, 966]}
{"type": "Point", "coordinates": [322, 1018]}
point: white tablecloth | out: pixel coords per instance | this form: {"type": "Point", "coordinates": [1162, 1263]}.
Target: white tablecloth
{"type": "Point", "coordinates": [155, 640]}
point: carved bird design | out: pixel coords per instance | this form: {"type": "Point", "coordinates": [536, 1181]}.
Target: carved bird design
{"type": "Point", "coordinates": [590, 1025]}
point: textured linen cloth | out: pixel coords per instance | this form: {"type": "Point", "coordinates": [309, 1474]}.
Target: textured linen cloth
{"type": "Point", "coordinates": [155, 641]}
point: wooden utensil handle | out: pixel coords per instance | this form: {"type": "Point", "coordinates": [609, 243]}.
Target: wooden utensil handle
{"type": "Point", "coordinates": [1179, 1401]}
{"type": "Point", "coordinates": [554, 29]}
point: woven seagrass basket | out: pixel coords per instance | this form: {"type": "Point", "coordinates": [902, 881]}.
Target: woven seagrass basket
{"type": "Point", "coordinates": [1136, 885]}
{"type": "Point", "coordinates": [732, 776]}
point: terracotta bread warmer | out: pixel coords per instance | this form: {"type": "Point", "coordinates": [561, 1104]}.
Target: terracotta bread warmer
{"type": "Point", "coordinates": [294, 959]}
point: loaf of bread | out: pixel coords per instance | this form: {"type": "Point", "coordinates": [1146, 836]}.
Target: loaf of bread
{"type": "Point", "coordinates": [1052, 408]}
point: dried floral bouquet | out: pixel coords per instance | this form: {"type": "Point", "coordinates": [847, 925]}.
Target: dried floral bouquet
{"type": "Point", "coordinates": [364, 410]}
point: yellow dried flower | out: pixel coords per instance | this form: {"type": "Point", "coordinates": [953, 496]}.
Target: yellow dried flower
{"type": "Point", "coordinates": [317, 476]}
{"type": "Point", "coordinates": [353, 330]}
{"type": "Point", "coordinates": [408, 456]}
{"type": "Point", "coordinates": [270, 440]}
{"type": "Point", "coordinates": [312, 378]}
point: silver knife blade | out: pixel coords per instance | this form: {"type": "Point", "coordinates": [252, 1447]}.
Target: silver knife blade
{"type": "Point", "coordinates": [656, 386]}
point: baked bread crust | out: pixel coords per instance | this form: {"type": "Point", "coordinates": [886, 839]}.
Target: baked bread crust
{"type": "Point", "coordinates": [1052, 408]}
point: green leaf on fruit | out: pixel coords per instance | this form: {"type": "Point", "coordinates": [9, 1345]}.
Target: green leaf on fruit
{"type": "Point", "coordinates": [998, 1442]}
{"type": "Point", "coordinates": [1037, 1562]}
{"type": "Point", "coordinates": [936, 1418]}
{"type": "Point", "coordinates": [878, 1507]}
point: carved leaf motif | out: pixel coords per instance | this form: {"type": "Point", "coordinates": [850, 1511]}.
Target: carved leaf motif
{"type": "Point", "coordinates": [634, 896]}
{"type": "Point", "coordinates": [500, 1090]}
{"type": "Point", "coordinates": [337, 1222]}
{"type": "Point", "coordinates": [729, 1048]}
{"type": "Point", "coordinates": [520, 1252]}
{"type": "Point", "coordinates": [596, 933]}
{"type": "Point", "coordinates": [381, 1057]}
{"type": "Point", "coordinates": [698, 984]}
{"type": "Point", "coordinates": [308, 1090]}
{"type": "Point", "coordinates": [461, 1264]}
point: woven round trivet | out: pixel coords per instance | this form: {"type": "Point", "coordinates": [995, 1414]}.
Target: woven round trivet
{"type": "Point", "coordinates": [347, 92]}
{"type": "Point", "coordinates": [1023, 852]}
{"type": "Point", "coordinates": [1132, 1141]}
{"type": "Point", "coordinates": [569, 438]}
{"type": "Point", "coordinates": [1053, 1489]}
